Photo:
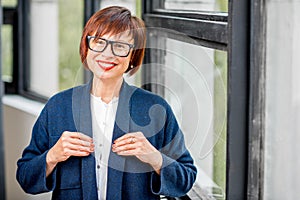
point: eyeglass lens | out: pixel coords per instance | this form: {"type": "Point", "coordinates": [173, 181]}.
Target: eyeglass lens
{"type": "Point", "coordinates": [118, 48]}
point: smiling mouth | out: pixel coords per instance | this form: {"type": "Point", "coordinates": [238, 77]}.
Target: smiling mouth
{"type": "Point", "coordinates": [106, 66]}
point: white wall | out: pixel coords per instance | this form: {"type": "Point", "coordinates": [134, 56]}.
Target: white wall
{"type": "Point", "coordinates": [19, 115]}
{"type": "Point", "coordinates": [282, 163]}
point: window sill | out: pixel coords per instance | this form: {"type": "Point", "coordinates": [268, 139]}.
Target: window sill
{"type": "Point", "coordinates": [23, 104]}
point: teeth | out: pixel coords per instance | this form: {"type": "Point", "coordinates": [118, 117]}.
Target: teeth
{"type": "Point", "coordinates": [106, 65]}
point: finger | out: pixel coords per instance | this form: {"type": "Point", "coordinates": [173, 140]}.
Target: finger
{"type": "Point", "coordinates": [128, 140]}
{"type": "Point", "coordinates": [73, 147]}
{"type": "Point", "coordinates": [81, 136]}
{"type": "Point", "coordinates": [66, 136]}
{"type": "Point", "coordinates": [129, 152]}
{"type": "Point", "coordinates": [76, 153]}
{"type": "Point", "coordinates": [76, 141]}
{"type": "Point", "coordinates": [125, 147]}
{"type": "Point", "coordinates": [124, 137]}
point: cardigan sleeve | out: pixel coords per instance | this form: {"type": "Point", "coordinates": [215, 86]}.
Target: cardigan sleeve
{"type": "Point", "coordinates": [31, 167]}
{"type": "Point", "coordinates": [178, 173]}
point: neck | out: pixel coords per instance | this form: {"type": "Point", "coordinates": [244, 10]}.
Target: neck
{"type": "Point", "coordinates": [106, 89]}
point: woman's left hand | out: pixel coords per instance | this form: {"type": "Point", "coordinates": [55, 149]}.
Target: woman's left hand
{"type": "Point", "coordinates": [136, 144]}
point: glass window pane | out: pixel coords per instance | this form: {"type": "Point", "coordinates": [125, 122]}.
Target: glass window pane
{"type": "Point", "coordinates": [193, 80]}
{"type": "Point", "coordinates": [7, 53]}
{"type": "Point", "coordinates": [203, 5]}
{"type": "Point", "coordinates": [282, 163]}
{"type": "Point", "coordinates": [131, 5]}
{"type": "Point", "coordinates": [70, 30]}
{"type": "Point", "coordinates": [9, 3]}
{"type": "Point", "coordinates": [55, 37]}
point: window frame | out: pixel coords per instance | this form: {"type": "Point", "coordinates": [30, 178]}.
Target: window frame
{"type": "Point", "coordinates": [90, 7]}
{"type": "Point", "coordinates": [226, 32]}
{"type": "Point", "coordinates": [18, 17]}
{"type": "Point", "coordinates": [10, 17]}
{"type": "Point", "coordinates": [184, 22]}
{"type": "Point", "coordinates": [257, 101]}
{"type": "Point", "coordinates": [238, 99]}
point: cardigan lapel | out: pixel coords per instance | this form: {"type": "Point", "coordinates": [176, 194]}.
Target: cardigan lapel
{"type": "Point", "coordinates": [116, 163]}
{"type": "Point", "coordinates": [83, 122]}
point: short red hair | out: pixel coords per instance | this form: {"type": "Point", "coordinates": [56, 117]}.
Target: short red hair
{"type": "Point", "coordinates": [115, 20]}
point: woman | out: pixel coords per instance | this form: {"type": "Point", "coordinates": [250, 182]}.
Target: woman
{"type": "Point", "coordinates": [106, 139]}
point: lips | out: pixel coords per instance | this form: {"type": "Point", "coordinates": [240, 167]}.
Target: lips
{"type": "Point", "coordinates": [106, 65]}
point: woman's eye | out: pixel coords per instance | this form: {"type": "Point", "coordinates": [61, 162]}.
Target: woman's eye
{"type": "Point", "coordinates": [101, 42]}
{"type": "Point", "coordinates": [120, 46]}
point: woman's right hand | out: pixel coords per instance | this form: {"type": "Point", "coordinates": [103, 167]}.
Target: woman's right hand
{"type": "Point", "coordinates": [69, 144]}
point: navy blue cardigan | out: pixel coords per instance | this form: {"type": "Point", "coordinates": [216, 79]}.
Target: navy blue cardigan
{"type": "Point", "coordinates": [128, 178]}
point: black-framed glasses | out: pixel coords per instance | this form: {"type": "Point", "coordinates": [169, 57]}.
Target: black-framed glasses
{"type": "Point", "coordinates": [120, 49]}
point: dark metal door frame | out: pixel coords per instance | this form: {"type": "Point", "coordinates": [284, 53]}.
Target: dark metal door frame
{"type": "Point", "coordinates": [238, 99]}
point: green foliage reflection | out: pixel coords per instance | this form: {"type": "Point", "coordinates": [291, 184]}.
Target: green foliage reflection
{"type": "Point", "coordinates": [70, 29]}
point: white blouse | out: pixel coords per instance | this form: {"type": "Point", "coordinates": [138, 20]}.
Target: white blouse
{"type": "Point", "coordinates": [103, 119]}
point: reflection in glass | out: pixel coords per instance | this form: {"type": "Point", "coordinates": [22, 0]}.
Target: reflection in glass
{"type": "Point", "coordinates": [193, 80]}
{"type": "Point", "coordinates": [7, 53]}
{"type": "Point", "coordinates": [131, 5]}
{"type": "Point", "coordinates": [70, 29]}
{"type": "Point", "coordinates": [203, 5]}
{"type": "Point", "coordinates": [54, 49]}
